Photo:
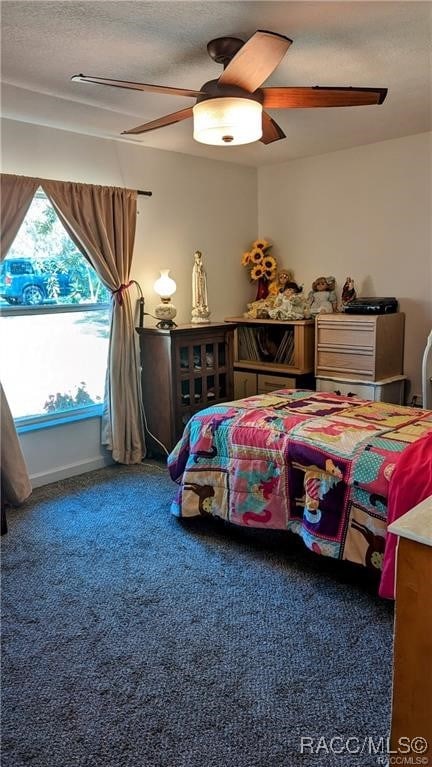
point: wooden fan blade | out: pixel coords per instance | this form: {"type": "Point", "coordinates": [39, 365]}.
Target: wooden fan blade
{"type": "Point", "coordinates": [135, 86]}
{"type": "Point", "coordinates": [271, 130]}
{"type": "Point", "coordinates": [255, 61]}
{"type": "Point", "coordinates": [303, 98]}
{"type": "Point", "coordinates": [175, 117]}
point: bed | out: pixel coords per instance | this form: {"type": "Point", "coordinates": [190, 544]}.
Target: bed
{"type": "Point", "coordinates": [316, 464]}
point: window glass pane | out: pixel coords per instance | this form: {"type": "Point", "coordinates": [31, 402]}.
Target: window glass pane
{"type": "Point", "coordinates": [51, 363]}
{"type": "Point", "coordinates": [44, 266]}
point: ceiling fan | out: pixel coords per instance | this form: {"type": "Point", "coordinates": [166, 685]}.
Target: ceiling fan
{"type": "Point", "coordinates": [232, 109]}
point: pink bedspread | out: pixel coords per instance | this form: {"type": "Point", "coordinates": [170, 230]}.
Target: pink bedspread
{"type": "Point", "coordinates": [411, 483]}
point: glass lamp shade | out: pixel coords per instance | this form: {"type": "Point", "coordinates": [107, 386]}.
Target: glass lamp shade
{"type": "Point", "coordinates": [165, 312]}
{"type": "Point", "coordinates": [164, 286]}
{"type": "Point", "coordinates": [227, 121]}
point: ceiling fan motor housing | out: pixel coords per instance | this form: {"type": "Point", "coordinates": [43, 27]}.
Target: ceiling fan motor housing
{"type": "Point", "coordinates": [213, 90]}
{"type": "Point", "coordinates": [223, 49]}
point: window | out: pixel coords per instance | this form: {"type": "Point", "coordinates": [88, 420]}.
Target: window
{"type": "Point", "coordinates": [54, 322]}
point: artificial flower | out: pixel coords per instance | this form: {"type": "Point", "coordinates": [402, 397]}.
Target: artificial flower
{"type": "Point", "coordinates": [261, 244]}
{"type": "Point", "coordinates": [269, 263]}
{"type": "Point", "coordinates": [261, 265]}
{"type": "Point", "coordinates": [256, 256]}
{"type": "Point", "coordinates": [257, 272]}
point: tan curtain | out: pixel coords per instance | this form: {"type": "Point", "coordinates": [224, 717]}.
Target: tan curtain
{"type": "Point", "coordinates": [101, 221]}
{"type": "Point", "coordinates": [15, 481]}
{"type": "Point", "coordinates": [17, 193]}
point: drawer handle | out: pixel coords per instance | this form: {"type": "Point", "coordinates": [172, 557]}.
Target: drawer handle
{"type": "Point", "coordinates": [337, 391]}
{"type": "Point", "coordinates": [351, 394]}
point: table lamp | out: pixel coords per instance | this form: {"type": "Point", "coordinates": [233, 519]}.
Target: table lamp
{"type": "Point", "coordinates": [165, 312]}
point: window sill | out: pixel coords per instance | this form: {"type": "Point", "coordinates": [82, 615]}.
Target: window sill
{"type": "Point", "coordinates": [24, 425]}
{"type": "Point", "coordinates": [18, 310]}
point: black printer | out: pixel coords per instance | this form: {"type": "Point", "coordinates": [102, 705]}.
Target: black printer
{"type": "Point", "coordinates": [372, 306]}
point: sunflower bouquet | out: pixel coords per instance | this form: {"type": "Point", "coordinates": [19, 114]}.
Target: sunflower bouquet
{"type": "Point", "coordinates": [261, 264]}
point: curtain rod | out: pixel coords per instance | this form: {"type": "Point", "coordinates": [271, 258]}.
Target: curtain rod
{"type": "Point", "coordinates": [139, 191]}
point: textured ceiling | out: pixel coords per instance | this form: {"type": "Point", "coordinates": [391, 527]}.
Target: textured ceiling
{"type": "Point", "coordinates": [365, 44]}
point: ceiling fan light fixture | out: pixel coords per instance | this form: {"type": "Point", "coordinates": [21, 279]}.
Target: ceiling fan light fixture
{"type": "Point", "coordinates": [227, 121]}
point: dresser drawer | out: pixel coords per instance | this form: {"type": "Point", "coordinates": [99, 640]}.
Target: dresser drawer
{"type": "Point", "coordinates": [268, 383]}
{"type": "Point", "coordinates": [383, 391]}
{"type": "Point", "coordinates": [365, 391]}
{"type": "Point", "coordinates": [347, 335]}
{"type": "Point", "coordinates": [351, 363]}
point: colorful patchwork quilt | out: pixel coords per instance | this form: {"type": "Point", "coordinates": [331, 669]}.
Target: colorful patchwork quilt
{"type": "Point", "coordinates": [317, 464]}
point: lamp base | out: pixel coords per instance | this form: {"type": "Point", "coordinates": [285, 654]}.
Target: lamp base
{"type": "Point", "coordinates": [165, 313]}
{"type": "Point", "coordinates": [166, 324]}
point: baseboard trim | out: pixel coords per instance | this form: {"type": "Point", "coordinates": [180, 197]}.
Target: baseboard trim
{"type": "Point", "coordinates": [70, 470]}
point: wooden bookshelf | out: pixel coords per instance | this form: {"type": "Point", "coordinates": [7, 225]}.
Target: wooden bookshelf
{"type": "Point", "coordinates": [283, 349]}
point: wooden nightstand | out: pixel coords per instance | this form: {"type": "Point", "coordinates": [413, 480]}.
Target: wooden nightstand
{"type": "Point", "coordinates": [183, 370]}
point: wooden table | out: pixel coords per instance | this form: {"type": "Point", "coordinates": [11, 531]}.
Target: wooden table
{"type": "Point", "coordinates": [412, 662]}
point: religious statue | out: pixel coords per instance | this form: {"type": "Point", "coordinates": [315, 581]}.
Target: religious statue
{"type": "Point", "coordinates": [348, 292]}
{"type": "Point", "coordinates": [200, 310]}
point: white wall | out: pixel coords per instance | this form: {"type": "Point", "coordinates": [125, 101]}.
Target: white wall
{"type": "Point", "coordinates": [196, 204]}
{"type": "Point", "coordinates": [364, 212]}
{"type": "Point", "coordinates": [58, 452]}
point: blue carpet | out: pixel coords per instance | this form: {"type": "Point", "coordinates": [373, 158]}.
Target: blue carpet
{"type": "Point", "coordinates": [131, 639]}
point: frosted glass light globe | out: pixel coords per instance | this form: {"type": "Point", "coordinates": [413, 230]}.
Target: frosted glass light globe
{"type": "Point", "coordinates": [227, 121]}
{"type": "Point", "coordinates": [165, 286]}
